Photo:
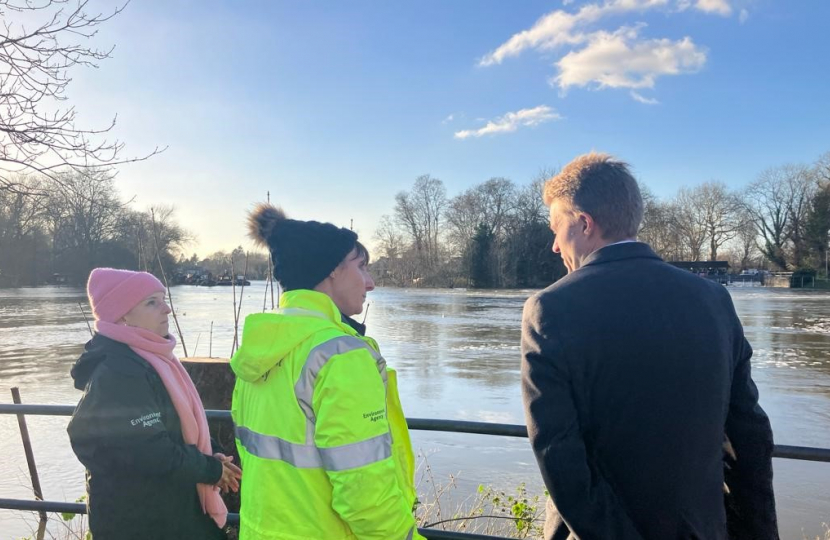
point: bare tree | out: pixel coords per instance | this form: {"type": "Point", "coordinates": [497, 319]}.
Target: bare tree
{"type": "Point", "coordinates": [648, 226]}
{"type": "Point", "coordinates": [389, 237]}
{"type": "Point", "coordinates": [37, 135]}
{"type": "Point", "coordinates": [22, 239]}
{"type": "Point", "coordinates": [407, 216]}
{"type": "Point", "coordinates": [420, 211]}
{"type": "Point", "coordinates": [766, 200]}
{"type": "Point", "coordinates": [719, 212]}
{"type": "Point", "coordinates": [689, 223]}
{"type": "Point", "coordinates": [479, 217]}
{"type": "Point", "coordinates": [498, 196]}
{"type": "Point", "coordinates": [89, 217]}
{"type": "Point", "coordinates": [151, 236]}
{"type": "Point", "coordinates": [660, 231]}
{"type": "Point", "coordinates": [801, 187]}
{"type": "Point", "coordinates": [822, 168]}
{"type": "Point", "coordinates": [746, 240]}
{"type": "Point", "coordinates": [488, 205]}
{"type": "Point", "coordinates": [22, 208]}
{"type": "Point", "coordinates": [817, 228]}
{"type": "Point", "coordinates": [529, 206]}
{"type": "Point", "coordinates": [464, 213]}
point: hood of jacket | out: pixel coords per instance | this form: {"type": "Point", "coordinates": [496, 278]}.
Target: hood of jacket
{"type": "Point", "coordinates": [267, 338]}
{"type": "Point", "coordinates": [95, 352]}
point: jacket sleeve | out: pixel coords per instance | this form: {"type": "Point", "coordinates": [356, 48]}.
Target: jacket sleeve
{"type": "Point", "coordinates": [749, 476]}
{"type": "Point", "coordinates": [584, 499]}
{"type": "Point", "coordinates": [118, 426]}
{"type": "Point", "coordinates": [353, 436]}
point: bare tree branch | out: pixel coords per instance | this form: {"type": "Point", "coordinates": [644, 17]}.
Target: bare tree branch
{"type": "Point", "coordinates": [36, 134]}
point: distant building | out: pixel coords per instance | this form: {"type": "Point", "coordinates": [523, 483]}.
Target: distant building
{"type": "Point", "coordinates": [714, 270]}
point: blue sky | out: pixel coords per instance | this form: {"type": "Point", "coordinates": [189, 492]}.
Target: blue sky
{"type": "Point", "coordinates": [336, 106]}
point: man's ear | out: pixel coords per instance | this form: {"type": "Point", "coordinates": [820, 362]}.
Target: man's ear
{"type": "Point", "coordinates": [589, 226]}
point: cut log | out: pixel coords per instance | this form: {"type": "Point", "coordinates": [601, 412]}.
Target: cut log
{"type": "Point", "coordinates": [214, 381]}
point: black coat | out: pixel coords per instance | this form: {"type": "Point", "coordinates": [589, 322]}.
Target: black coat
{"type": "Point", "coordinates": [141, 476]}
{"type": "Point", "coordinates": [632, 371]}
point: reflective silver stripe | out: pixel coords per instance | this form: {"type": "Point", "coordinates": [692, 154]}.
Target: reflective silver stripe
{"type": "Point", "coordinates": [409, 536]}
{"type": "Point", "coordinates": [318, 357]}
{"type": "Point", "coordinates": [351, 456]}
{"type": "Point", "coordinates": [301, 456]}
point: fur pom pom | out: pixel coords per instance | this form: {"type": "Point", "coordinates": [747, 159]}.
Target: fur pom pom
{"type": "Point", "coordinates": [262, 220]}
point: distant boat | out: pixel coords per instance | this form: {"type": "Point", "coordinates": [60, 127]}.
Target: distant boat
{"type": "Point", "coordinates": [227, 281]}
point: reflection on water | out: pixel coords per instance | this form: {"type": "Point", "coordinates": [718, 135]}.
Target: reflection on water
{"type": "Point", "coordinates": [457, 353]}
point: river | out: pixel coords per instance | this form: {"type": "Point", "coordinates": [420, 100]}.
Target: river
{"type": "Point", "coordinates": [457, 354]}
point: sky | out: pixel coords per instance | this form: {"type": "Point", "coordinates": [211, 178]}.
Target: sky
{"type": "Point", "coordinates": [334, 107]}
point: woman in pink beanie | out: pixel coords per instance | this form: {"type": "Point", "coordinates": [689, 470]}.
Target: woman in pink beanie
{"type": "Point", "coordinates": [140, 428]}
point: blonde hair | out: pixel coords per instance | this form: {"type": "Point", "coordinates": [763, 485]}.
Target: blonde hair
{"type": "Point", "coordinates": [603, 187]}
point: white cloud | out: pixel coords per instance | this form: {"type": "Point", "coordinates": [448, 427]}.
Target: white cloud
{"type": "Point", "coordinates": [448, 119]}
{"type": "Point", "coordinates": [512, 121]}
{"type": "Point", "coordinates": [643, 99]}
{"type": "Point", "coordinates": [621, 60]}
{"type": "Point", "coordinates": [607, 58]}
{"type": "Point", "coordinates": [567, 2]}
{"type": "Point", "coordinates": [721, 7]}
{"type": "Point", "coordinates": [561, 28]}
{"type": "Point", "coordinates": [743, 16]}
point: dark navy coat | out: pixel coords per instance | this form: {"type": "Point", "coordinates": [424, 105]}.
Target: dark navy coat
{"type": "Point", "coordinates": [632, 372]}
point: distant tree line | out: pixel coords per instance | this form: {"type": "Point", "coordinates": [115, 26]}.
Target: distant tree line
{"type": "Point", "coordinates": [496, 234]}
{"type": "Point", "coordinates": [57, 229]}
{"type": "Point", "coordinates": [779, 222]}
{"type": "Point", "coordinates": [493, 235]}
{"type": "Point", "coordinates": [220, 263]}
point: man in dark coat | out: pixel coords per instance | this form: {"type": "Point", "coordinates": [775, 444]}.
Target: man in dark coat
{"type": "Point", "coordinates": [632, 372]}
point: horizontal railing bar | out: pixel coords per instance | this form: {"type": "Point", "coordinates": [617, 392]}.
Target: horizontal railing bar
{"type": "Point", "coordinates": [79, 508]}
{"type": "Point", "coordinates": [36, 410]}
{"type": "Point", "coordinates": [46, 506]}
{"type": "Point", "coordinates": [464, 426]}
{"type": "Point", "coordinates": [803, 453]}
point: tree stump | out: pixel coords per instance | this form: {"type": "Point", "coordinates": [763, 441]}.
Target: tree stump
{"type": "Point", "coordinates": [214, 381]}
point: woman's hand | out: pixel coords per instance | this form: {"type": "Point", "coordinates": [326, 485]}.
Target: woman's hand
{"type": "Point", "coordinates": [231, 474]}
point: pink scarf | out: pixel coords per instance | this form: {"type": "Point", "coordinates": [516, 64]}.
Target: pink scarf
{"type": "Point", "coordinates": [158, 352]}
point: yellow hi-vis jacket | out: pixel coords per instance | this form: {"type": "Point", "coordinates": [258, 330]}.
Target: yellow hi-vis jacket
{"type": "Point", "coordinates": [320, 430]}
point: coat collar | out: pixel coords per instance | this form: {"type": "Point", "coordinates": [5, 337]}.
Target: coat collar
{"type": "Point", "coordinates": [310, 300]}
{"type": "Point", "coordinates": [619, 252]}
{"type": "Point", "coordinates": [319, 303]}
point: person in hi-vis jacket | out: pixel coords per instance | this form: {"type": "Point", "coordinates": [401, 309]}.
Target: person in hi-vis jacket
{"type": "Point", "coordinates": [319, 426]}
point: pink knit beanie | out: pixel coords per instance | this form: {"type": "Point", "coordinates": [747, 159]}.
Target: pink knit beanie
{"type": "Point", "coordinates": [113, 293]}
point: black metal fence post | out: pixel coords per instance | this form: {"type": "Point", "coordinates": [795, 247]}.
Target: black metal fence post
{"type": "Point", "coordinates": [30, 455]}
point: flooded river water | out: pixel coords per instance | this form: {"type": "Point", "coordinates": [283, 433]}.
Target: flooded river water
{"type": "Point", "coordinates": [457, 354]}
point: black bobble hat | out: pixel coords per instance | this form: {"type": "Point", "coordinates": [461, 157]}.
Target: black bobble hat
{"type": "Point", "coordinates": [304, 252]}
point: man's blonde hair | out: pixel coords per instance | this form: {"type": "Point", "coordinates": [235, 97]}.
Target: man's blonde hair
{"type": "Point", "coordinates": [603, 187]}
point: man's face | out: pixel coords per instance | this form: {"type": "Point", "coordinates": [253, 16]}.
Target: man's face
{"type": "Point", "coordinates": [350, 283]}
{"type": "Point", "coordinates": [573, 241]}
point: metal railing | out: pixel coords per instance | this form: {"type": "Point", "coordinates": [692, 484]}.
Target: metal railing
{"type": "Point", "coordinates": [233, 519]}
{"type": "Point", "coordinates": [804, 453]}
